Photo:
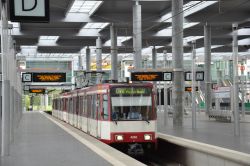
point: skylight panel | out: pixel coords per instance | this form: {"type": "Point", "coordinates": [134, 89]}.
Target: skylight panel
{"type": "Point", "coordinates": [82, 6]}
{"type": "Point", "coordinates": [120, 40]}
{"type": "Point", "coordinates": [191, 38]}
{"type": "Point", "coordinates": [49, 38]}
{"type": "Point", "coordinates": [189, 8]}
{"type": "Point", "coordinates": [95, 26]}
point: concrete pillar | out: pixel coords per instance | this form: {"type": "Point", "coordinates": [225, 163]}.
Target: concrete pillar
{"type": "Point", "coordinates": [207, 47]}
{"type": "Point", "coordinates": [236, 81]}
{"type": "Point", "coordinates": [177, 52]}
{"type": "Point", "coordinates": [137, 35]}
{"type": "Point", "coordinates": [88, 61]}
{"type": "Point", "coordinates": [114, 51]}
{"type": "Point", "coordinates": [194, 85]}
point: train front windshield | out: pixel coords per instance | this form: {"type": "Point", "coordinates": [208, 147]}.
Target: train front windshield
{"type": "Point", "coordinates": [131, 103]}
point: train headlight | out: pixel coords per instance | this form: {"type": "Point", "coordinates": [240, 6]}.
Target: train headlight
{"type": "Point", "coordinates": [119, 137]}
{"type": "Point", "coordinates": [147, 137]}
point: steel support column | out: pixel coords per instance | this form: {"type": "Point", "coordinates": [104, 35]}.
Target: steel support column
{"type": "Point", "coordinates": [80, 62]}
{"type": "Point", "coordinates": [194, 85]}
{"type": "Point", "coordinates": [114, 51]}
{"type": "Point", "coordinates": [98, 58]}
{"type": "Point", "coordinates": [5, 142]}
{"type": "Point", "coordinates": [165, 91]}
{"type": "Point", "coordinates": [88, 61]}
{"type": "Point", "coordinates": [137, 35]}
{"type": "Point", "coordinates": [207, 47]}
{"type": "Point", "coordinates": [235, 81]}
{"type": "Point", "coordinates": [177, 52]}
{"type": "Point", "coordinates": [243, 81]}
{"type": "Point", "coordinates": [154, 57]}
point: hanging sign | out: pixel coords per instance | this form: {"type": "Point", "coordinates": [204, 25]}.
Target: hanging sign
{"type": "Point", "coordinates": [49, 77]}
{"type": "Point", "coordinates": [151, 76]}
{"type": "Point", "coordinates": [44, 77]}
{"type": "Point", "coordinates": [38, 91]}
{"type": "Point", "coordinates": [199, 76]}
{"type": "Point", "coordinates": [146, 76]}
{"type": "Point", "coordinates": [29, 10]}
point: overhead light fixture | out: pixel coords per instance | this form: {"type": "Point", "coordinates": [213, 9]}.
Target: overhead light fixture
{"type": "Point", "coordinates": [82, 6]}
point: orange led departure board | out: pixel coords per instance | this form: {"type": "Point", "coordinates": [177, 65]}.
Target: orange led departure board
{"type": "Point", "coordinates": [37, 90]}
{"type": "Point", "coordinates": [49, 77]}
{"type": "Point", "coordinates": [149, 76]}
{"type": "Point", "coordinates": [189, 89]}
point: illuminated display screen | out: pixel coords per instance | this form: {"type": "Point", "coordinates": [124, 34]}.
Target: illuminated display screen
{"type": "Point", "coordinates": [189, 89]}
{"type": "Point", "coordinates": [149, 76]}
{"type": "Point", "coordinates": [37, 90]}
{"type": "Point", "coordinates": [127, 91]}
{"type": "Point", "coordinates": [49, 77]}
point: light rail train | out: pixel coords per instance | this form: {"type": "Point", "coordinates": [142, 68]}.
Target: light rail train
{"type": "Point", "coordinates": [118, 114]}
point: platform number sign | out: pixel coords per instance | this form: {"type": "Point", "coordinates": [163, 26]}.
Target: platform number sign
{"type": "Point", "coordinates": [27, 77]}
{"type": "Point", "coordinates": [167, 76]}
{"type": "Point", "coordinates": [199, 76]}
{"type": "Point", "coordinates": [188, 76]}
{"type": "Point", "coordinates": [29, 10]}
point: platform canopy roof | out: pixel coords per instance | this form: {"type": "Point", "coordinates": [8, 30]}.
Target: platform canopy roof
{"type": "Point", "coordinates": [75, 24]}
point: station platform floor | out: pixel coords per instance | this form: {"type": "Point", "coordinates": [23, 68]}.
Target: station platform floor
{"type": "Point", "coordinates": [42, 140]}
{"type": "Point", "coordinates": [209, 131]}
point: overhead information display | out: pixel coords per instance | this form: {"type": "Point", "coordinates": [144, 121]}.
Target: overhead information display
{"type": "Point", "coordinates": [189, 89]}
{"type": "Point", "coordinates": [49, 77]}
{"type": "Point", "coordinates": [37, 91]}
{"type": "Point", "coordinates": [146, 76]}
{"type": "Point", "coordinates": [44, 77]}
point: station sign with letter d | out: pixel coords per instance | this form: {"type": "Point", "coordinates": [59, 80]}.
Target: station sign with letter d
{"type": "Point", "coordinates": [29, 10]}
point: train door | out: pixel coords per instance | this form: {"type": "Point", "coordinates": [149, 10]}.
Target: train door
{"type": "Point", "coordinates": [94, 119]}
{"type": "Point", "coordinates": [79, 112]}
{"type": "Point", "coordinates": [75, 111]}
{"type": "Point", "coordinates": [85, 114]}
{"type": "Point", "coordinates": [70, 111]}
{"type": "Point", "coordinates": [98, 116]}
{"type": "Point", "coordinates": [89, 110]}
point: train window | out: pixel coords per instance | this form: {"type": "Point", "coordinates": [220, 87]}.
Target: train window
{"type": "Point", "coordinates": [131, 104]}
{"type": "Point", "coordinates": [105, 114]}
